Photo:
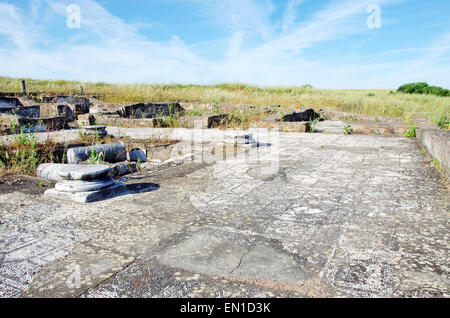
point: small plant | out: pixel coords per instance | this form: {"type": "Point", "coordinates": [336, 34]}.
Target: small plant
{"type": "Point", "coordinates": [412, 132]}
{"type": "Point", "coordinates": [194, 113]}
{"type": "Point", "coordinates": [217, 107]}
{"type": "Point", "coordinates": [13, 127]}
{"type": "Point", "coordinates": [313, 123]}
{"type": "Point", "coordinates": [371, 95]}
{"type": "Point", "coordinates": [422, 151]}
{"type": "Point", "coordinates": [436, 163]}
{"type": "Point", "coordinates": [96, 159]}
{"type": "Point", "coordinates": [41, 184]}
{"type": "Point", "coordinates": [443, 122]}
{"type": "Point", "coordinates": [348, 130]}
{"type": "Point", "coordinates": [138, 164]}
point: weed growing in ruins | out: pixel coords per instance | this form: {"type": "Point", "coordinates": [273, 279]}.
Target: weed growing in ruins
{"type": "Point", "coordinates": [348, 130]}
{"type": "Point", "coordinates": [436, 163]}
{"type": "Point", "coordinates": [443, 121]}
{"type": "Point", "coordinates": [96, 158]}
{"type": "Point", "coordinates": [194, 113]}
{"type": "Point", "coordinates": [138, 165]}
{"type": "Point", "coordinates": [13, 127]}
{"type": "Point", "coordinates": [24, 154]}
{"type": "Point", "coordinates": [312, 124]}
{"type": "Point", "coordinates": [412, 132]}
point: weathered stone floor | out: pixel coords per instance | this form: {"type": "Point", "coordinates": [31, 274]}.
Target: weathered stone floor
{"type": "Point", "coordinates": [343, 216]}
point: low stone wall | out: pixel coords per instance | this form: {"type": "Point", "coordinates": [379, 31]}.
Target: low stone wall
{"type": "Point", "coordinates": [335, 115]}
{"type": "Point", "coordinates": [190, 135]}
{"type": "Point", "coordinates": [150, 110]}
{"type": "Point", "coordinates": [116, 120]}
{"type": "Point", "coordinates": [301, 126]}
{"type": "Point", "coordinates": [10, 101]}
{"type": "Point", "coordinates": [378, 128]}
{"type": "Point", "coordinates": [436, 141]}
{"type": "Point", "coordinates": [203, 122]}
{"type": "Point", "coordinates": [29, 111]}
{"type": "Point", "coordinates": [50, 124]}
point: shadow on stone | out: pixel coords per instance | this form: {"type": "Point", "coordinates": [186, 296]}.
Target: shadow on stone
{"type": "Point", "coordinates": [141, 187]}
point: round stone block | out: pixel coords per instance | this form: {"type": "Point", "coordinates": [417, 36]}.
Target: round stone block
{"type": "Point", "coordinates": [137, 154]}
{"type": "Point", "coordinates": [83, 172]}
{"type": "Point", "coordinates": [84, 186]}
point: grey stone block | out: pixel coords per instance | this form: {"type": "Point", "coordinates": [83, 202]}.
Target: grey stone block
{"type": "Point", "coordinates": [84, 186]}
{"type": "Point", "coordinates": [58, 171]}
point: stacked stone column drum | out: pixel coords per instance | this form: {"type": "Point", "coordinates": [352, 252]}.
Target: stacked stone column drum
{"type": "Point", "coordinates": [85, 183]}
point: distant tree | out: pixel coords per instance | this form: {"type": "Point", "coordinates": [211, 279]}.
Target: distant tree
{"type": "Point", "coordinates": [423, 88]}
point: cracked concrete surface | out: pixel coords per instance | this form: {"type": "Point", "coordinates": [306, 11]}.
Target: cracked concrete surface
{"type": "Point", "coordinates": [343, 216]}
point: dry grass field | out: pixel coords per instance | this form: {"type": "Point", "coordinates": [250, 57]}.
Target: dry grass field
{"type": "Point", "coordinates": [229, 97]}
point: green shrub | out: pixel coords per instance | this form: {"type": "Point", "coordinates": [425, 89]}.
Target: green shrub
{"type": "Point", "coordinates": [348, 130]}
{"type": "Point", "coordinates": [423, 88]}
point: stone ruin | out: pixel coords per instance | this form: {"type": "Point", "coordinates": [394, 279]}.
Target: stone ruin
{"type": "Point", "coordinates": [94, 130]}
{"type": "Point", "coordinates": [33, 117]}
{"type": "Point", "coordinates": [150, 110]}
{"type": "Point", "coordinates": [296, 121]}
{"type": "Point", "coordinates": [301, 116]}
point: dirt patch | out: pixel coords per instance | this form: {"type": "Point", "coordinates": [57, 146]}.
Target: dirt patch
{"type": "Point", "coordinates": [12, 182]}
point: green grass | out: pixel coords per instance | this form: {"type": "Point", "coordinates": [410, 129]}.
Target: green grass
{"type": "Point", "coordinates": [412, 132]}
{"type": "Point", "coordinates": [225, 98]}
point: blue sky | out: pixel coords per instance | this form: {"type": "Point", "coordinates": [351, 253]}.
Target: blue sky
{"type": "Point", "coordinates": [326, 43]}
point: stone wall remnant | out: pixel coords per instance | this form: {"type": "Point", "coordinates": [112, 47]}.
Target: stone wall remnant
{"type": "Point", "coordinates": [150, 110]}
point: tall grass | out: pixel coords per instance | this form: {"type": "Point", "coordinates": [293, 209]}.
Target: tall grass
{"type": "Point", "coordinates": [24, 154]}
{"type": "Point", "coordinates": [232, 96]}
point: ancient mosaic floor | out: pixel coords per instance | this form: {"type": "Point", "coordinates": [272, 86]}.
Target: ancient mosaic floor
{"type": "Point", "coordinates": [314, 215]}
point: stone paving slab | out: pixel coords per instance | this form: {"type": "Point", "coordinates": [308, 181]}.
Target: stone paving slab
{"type": "Point", "coordinates": [339, 216]}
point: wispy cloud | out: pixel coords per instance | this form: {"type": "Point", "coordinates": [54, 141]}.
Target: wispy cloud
{"type": "Point", "coordinates": [258, 49]}
{"type": "Point", "coordinates": [290, 14]}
